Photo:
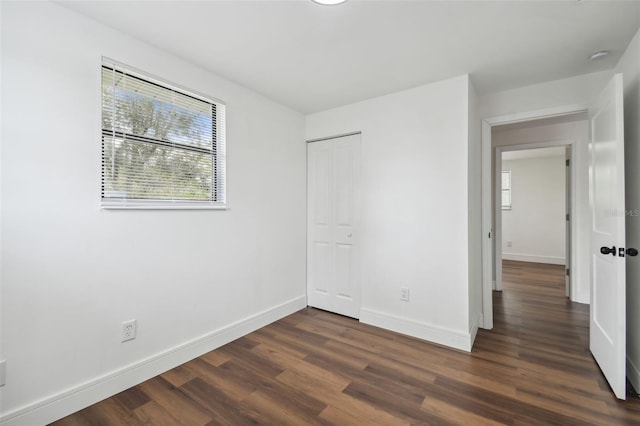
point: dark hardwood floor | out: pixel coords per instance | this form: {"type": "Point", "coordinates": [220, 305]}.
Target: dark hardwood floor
{"type": "Point", "coordinates": [314, 367]}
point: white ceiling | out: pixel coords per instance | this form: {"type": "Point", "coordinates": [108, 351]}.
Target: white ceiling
{"type": "Point", "coordinates": [313, 57]}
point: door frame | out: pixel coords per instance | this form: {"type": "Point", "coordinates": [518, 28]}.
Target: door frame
{"type": "Point", "coordinates": [570, 189]}
{"type": "Point", "coordinates": [487, 207]}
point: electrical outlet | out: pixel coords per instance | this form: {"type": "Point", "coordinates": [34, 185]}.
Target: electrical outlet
{"type": "Point", "coordinates": [3, 372]}
{"type": "Point", "coordinates": [128, 330]}
{"type": "Point", "coordinates": [404, 294]}
{"type": "Point", "coordinates": [509, 243]}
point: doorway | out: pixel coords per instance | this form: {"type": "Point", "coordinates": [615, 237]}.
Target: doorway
{"type": "Point", "coordinates": [532, 206]}
{"type": "Point", "coordinates": [559, 127]}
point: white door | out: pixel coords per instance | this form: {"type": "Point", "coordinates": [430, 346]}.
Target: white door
{"type": "Point", "coordinates": [332, 191]}
{"type": "Point", "coordinates": [607, 316]}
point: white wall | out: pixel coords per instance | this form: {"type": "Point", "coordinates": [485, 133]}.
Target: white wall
{"type": "Point", "coordinates": [71, 273]}
{"type": "Point", "coordinates": [475, 214]}
{"type": "Point", "coordinates": [414, 229]}
{"type": "Point", "coordinates": [579, 90]}
{"type": "Point", "coordinates": [535, 225]}
{"type": "Point", "coordinates": [577, 131]}
{"type": "Point", "coordinates": [629, 65]}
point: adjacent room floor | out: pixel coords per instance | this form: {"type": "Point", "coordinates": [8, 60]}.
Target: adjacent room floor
{"type": "Point", "coordinates": [315, 367]}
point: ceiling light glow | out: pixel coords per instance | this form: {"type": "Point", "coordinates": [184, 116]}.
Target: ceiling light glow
{"type": "Point", "coordinates": [600, 54]}
{"type": "Point", "coordinates": [329, 2]}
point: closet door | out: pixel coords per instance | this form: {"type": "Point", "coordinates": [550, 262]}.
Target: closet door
{"type": "Point", "coordinates": [332, 240]}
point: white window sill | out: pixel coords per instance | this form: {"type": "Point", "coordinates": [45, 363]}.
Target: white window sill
{"type": "Point", "coordinates": [160, 205]}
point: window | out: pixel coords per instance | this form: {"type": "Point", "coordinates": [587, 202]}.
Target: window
{"type": "Point", "coordinates": [506, 190]}
{"type": "Point", "coordinates": [162, 147]}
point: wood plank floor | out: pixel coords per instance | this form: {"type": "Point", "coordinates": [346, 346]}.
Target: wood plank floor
{"type": "Point", "coordinates": [314, 367]}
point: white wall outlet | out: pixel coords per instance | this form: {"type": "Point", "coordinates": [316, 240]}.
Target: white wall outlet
{"type": "Point", "coordinates": [3, 372]}
{"type": "Point", "coordinates": [404, 294]}
{"type": "Point", "coordinates": [128, 330]}
{"type": "Point", "coordinates": [509, 243]}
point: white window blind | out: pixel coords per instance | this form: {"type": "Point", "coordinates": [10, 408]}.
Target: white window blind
{"type": "Point", "coordinates": [506, 190]}
{"type": "Point", "coordinates": [162, 147]}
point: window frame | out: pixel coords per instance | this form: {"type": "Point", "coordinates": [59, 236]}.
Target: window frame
{"type": "Point", "coordinates": [219, 202]}
{"type": "Point", "coordinates": [508, 190]}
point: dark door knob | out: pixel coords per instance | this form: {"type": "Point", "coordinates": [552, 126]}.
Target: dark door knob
{"type": "Point", "coordinates": [632, 252]}
{"type": "Point", "coordinates": [607, 250]}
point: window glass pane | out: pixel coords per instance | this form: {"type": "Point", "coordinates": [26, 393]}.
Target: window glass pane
{"type": "Point", "coordinates": [506, 179]}
{"type": "Point", "coordinates": [139, 170]}
{"type": "Point", "coordinates": [134, 106]}
{"type": "Point", "coordinates": [506, 198]}
{"type": "Point", "coordinates": [506, 189]}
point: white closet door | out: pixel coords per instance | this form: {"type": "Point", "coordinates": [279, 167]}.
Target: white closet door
{"type": "Point", "coordinates": [333, 167]}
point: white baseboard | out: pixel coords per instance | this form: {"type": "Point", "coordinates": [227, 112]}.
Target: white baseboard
{"type": "Point", "coordinates": [633, 374]}
{"type": "Point", "coordinates": [443, 336]}
{"type": "Point", "coordinates": [479, 322]}
{"type": "Point", "coordinates": [71, 400]}
{"type": "Point", "coordinates": [533, 258]}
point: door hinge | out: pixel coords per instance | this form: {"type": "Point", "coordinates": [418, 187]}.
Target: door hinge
{"type": "Point", "coordinates": [567, 163]}
{"type": "Point", "coordinates": [568, 272]}
{"type": "Point", "coordinates": [567, 217]}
